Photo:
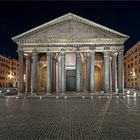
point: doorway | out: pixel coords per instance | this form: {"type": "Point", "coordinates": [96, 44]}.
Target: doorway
{"type": "Point", "coordinates": [70, 80]}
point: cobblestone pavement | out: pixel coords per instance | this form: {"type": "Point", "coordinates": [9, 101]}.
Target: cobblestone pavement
{"type": "Point", "coordinates": [70, 119]}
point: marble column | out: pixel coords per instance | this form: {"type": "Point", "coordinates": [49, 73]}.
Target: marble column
{"type": "Point", "coordinates": [88, 72]}
{"type": "Point", "coordinates": [62, 64]}
{"type": "Point", "coordinates": [78, 63]}
{"type": "Point", "coordinates": [106, 72]}
{"type": "Point", "coordinates": [57, 74]}
{"type": "Point", "coordinates": [92, 65]}
{"type": "Point", "coordinates": [120, 72]}
{"type": "Point", "coordinates": [84, 73]}
{"type": "Point", "coordinates": [110, 74]}
{"type": "Point", "coordinates": [49, 74]}
{"type": "Point", "coordinates": [28, 74]}
{"type": "Point", "coordinates": [34, 87]}
{"type": "Point", "coordinates": [114, 72]}
{"type": "Point", "coordinates": [20, 83]}
{"type": "Point", "coordinates": [54, 60]}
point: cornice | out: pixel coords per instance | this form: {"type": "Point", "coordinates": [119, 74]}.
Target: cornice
{"type": "Point", "coordinates": [65, 42]}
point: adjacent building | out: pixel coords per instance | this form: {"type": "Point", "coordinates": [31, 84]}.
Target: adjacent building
{"type": "Point", "coordinates": [8, 72]}
{"type": "Point", "coordinates": [132, 67]}
{"type": "Point", "coordinates": [71, 54]}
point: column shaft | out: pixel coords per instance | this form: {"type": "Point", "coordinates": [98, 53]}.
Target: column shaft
{"type": "Point", "coordinates": [114, 73]}
{"type": "Point", "coordinates": [20, 84]}
{"type": "Point", "coordinates": [88, 72]}
{"type": "Point", "coordinates": [92, 83]}
{"type": "Point", "coordinates": [54, 74]}
{"type": "Point", "coordinates": [63, 87]}
{"type": "Point", "coordinates": [49, 79]}
{"type": "Point", "coordinates": [78, 63]}
{"type": "Point", "coordinates": [34, 87]}
{"type": "Point", "coordinates": [120, 73]}
{"type": "Point", "coordinates": [106, 72]}
{"type": "Point", "coordinates": [28, 74]}
{"type": "Point", "coordinates": [110, 74]}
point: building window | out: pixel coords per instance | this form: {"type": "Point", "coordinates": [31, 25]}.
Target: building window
{"type": "Point", "coordinates": [135, 62]}
{"type": "Point", "coordinates": [131, 64]}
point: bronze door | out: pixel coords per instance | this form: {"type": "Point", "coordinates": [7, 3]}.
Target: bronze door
{"type": "Point", "coordinates": [70, 80]}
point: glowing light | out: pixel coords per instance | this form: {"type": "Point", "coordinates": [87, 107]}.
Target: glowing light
{"type": "Point", "coordinates": [99, 97]}
{"type": "Point", "coordinates": [16, 97]}
{"type": "Point", "coordinates": [135, 94]}
{"type": "Point", "coordinates": [40, 97]}
{"type": "Point", "coordinates": [56, 97]}
{"type": "Point", "coordinates": [128, 95]}
{"type": "Point", "coordinates": [10, 76]}
{"type": "Point", "coordinates": [91, 97]}
{"type": "Point", "coordinates": [124, 97]}
{"type": "Point", "coordinates": [0, 91]}
{"type": "Point", "coordinates": [128, 92]}
{"type": "Point", "coordinates": [83, 97]}
{"type": "Point", "coordinates": [65, 97]}
{"type": "Point", "coordinates": [117, 97]}
{"type": "Point", "coordinates": [7, 90]}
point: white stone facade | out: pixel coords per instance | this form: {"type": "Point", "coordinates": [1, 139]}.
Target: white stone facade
{"type": "Point", "coordinates": [83, 39]}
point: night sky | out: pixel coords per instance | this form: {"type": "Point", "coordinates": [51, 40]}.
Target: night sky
{"type": "Point", "coordinates": [18, 17]}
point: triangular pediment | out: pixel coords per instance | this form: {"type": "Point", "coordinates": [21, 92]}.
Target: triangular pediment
{"type": "Point", "coordinates": [69, 27]}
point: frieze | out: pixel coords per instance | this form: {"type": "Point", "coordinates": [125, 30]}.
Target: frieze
{"type": "Point", "coordinates": [66, 42]}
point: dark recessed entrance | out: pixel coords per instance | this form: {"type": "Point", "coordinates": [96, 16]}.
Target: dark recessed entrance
{"type": "Point", "coordinates": [70, 80]}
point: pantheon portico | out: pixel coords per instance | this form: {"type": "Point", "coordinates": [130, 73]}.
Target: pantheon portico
{"type": "Point", "coordinates": [70, 54]}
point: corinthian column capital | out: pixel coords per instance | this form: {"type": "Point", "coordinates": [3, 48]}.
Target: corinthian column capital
{"type": "Point", "coordinates": [62, 52]}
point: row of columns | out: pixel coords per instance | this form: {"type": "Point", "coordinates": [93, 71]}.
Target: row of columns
{"type": "Point", "coordinates": [107, 84]}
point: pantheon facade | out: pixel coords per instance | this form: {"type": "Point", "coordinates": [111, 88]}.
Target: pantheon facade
{"type": "Point", "coordinates": [70, 54]}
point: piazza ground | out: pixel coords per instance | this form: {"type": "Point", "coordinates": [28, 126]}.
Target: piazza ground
{"type": "Point", "coordinates": [101, 118]}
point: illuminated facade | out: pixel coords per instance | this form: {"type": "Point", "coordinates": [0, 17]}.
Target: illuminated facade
{"type": "Point", "coordinates": [132, 67]}
{"type": "Point", "coordinates": [71, 53]}
{"type": "Point", "coordinates": [8, 72]}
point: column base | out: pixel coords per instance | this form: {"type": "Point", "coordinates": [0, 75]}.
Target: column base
{"type": "Point", "coordinates": [92, 93]}
{"type": "Point", "coordinates": [78, 93]}
{"type": "Point", "coordinates": [48, 93]}
{"type": "Point", "coordinates": [21, 95]}
{"type": "Point", "coordinates": [63, 93]}
{"type": "Point", "coordinates": [33, 95]}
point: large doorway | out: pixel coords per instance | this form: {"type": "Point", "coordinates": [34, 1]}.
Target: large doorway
{"type": "Point", "coordinates": [70, 80]}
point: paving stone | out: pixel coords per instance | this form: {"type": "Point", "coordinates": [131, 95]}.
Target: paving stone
{"type": "Point", "coordinates": [71, 119]}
